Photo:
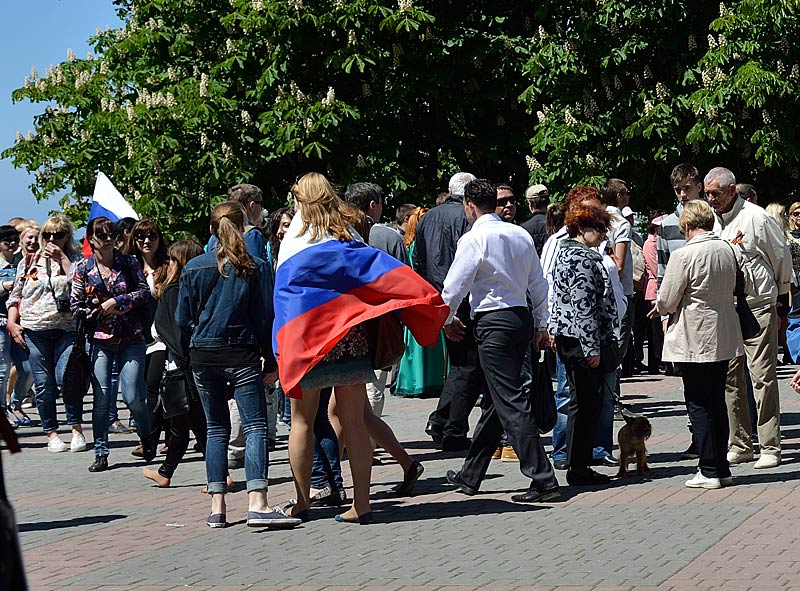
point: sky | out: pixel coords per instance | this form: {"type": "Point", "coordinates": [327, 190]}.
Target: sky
{"type": "Point", "coordinates": [37, 33]}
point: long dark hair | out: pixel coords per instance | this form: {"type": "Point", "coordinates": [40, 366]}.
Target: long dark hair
{"type": "Point", "coordinates": [273, 225]}
{"type": "Point", "coordinates": [147, 226]}
{"type": "Point", "coordinates": [181, 252]}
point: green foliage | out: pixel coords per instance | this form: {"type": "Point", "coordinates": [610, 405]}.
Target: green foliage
{"type": "Point", "coordinates": [193, 96]}
{"type": "Point", "coordinates": [631, 88]}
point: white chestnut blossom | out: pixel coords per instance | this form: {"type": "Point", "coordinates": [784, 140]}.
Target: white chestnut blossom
{"type": "Point", "coordinates": [203, 85]}
{"type": "Point", "coordinates": [533, 163]}
{"type": "Point", "coordinates": [360, 162]}
{"type": "Point", "coordinates": [70, 55]}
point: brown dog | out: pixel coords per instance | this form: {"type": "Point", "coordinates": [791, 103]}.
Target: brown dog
{"type": "Point", "coordinates": [631, 438]}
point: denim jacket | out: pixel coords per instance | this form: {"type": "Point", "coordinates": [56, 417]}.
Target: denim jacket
{"type": "Point", "coordinates": [127, 285]}
{"type": "Point", "coordinates": [238, 311]}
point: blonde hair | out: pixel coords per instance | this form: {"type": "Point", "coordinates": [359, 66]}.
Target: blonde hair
{"type": "Point", "coordinates": [227, 222]}
{"type": "Point", "coordinates": [321, 209]}
{"type": "Point", "coordinates": [411, 229]}
{"type": "Point", "coordinates": [60, 223]}
{"type": "Point", "coordinates": [778, 213]}
{"type": "Point", "coordinates": [792, 223]}
{"type": "Point", "coordinates": [26, 225]}
{"type": "Point", "coordinates": [697, 214]}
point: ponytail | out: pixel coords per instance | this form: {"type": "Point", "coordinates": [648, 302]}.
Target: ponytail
{"type": "Point", "coordinates": [227, 219]}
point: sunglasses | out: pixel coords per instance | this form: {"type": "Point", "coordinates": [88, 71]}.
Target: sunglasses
{"type": "Point", "coordinates": [103, 236]}
{"type": "Point", "coordinates": [600, 229]}
{"type": "Point", "coordinates": [55, 235]}
{"type": "Point", "coordinates": [506, 201]}
{"type": "Point", "coordinates": [151, 236]}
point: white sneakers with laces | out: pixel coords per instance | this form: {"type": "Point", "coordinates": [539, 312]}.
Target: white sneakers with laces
{"type": "Point", "coordinates": [78, 442]}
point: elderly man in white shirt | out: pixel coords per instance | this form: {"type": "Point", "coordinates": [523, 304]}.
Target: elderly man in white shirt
{"type": "Point", "coordinates": [496, 263]}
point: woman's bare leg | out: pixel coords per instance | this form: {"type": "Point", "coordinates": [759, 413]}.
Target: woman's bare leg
{"type": "Point", "coordinates": [350, 401]}
{"type": "Point", "coordinates": [336, 424]}
{"type": "Point", "coordinates": [301, 445]}
{"type": "Point", "coordinates": [383, 435]}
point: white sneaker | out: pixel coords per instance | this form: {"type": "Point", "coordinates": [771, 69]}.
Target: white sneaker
{"type": "Point", "coordinates": [27, 403]}
{"type": "Point", "coordinates": [727, 481]}
{"type": "Point", "coordinates": [78, 442]}
{"type": "Point", "coordinates": [700, 481]}
{"type": "Point", "coordinates": [735, 457]}
{"type": "Point", "coordinates": [768, 461]}
{"type": "Point", "coordinates": [55, 445]}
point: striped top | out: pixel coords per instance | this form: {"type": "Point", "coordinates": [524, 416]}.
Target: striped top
{"type": "Point", "coordinates": [668, 240]}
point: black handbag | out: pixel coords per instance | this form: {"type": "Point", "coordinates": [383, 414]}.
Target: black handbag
{"type": "Point", "coordinates": [747, 320]}
{"type": "Point", "coordinates": [174, 393]}
{"type": "Point", "coordinates": [78, 371]}
{"type": "Point", "coordinates": [543, 401]}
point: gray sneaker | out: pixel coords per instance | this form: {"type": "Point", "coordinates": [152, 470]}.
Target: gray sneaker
{"type": "Point", "coordinates": [275, 518]}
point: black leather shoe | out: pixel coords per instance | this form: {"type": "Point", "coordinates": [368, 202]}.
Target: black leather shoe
{"type": "Point", "coordinates": [537, 496]}
{"type": "Point", "coordinates": [455, 444]}
{"type": "Point", "coordinates": [609, 460]}
{"type": "Point", "coordinates": [560, 464]}
{"type": "Point", "coordinates": [585, 477]}
{"type": "Point", "coordinates": [454, 477]}
{"type": "Point", "coordinates": [434, 432]}
{"type": "Point", "coordinates": [100, 464]}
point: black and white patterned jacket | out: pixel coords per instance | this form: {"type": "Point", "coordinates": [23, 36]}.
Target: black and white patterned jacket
{"type": "Point", "coordinates": [583, 298]}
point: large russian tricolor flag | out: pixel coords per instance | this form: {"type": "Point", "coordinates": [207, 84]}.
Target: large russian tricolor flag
{"type": "Point", "coordinates": [107, 202]}
{"type": "Point", "coordinates": [326, 287]}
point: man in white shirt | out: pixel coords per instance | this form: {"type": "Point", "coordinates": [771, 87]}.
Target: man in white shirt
{"type": "Point", "coordinates": [496, 263]}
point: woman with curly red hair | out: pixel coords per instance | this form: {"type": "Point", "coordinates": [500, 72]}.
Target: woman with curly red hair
{"type": "Point", "coordinates": [583, 319]}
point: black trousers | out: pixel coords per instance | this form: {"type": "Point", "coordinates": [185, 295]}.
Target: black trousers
{"type": "Point", "coordinates": [655, 342]}
{"type": "Point", "coordinates": [585, 401]}
{"type": "Point", "coordinates": [704, 390]}
{"type": "Point", "coordinates": [463, 385]}
{"type": "Point", "coordinates": [503, 338]}
{"type": "Point", "coordinates": [154, 371]}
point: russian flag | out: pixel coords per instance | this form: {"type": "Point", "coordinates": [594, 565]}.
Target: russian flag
{"type": "Point", "coordinates": [107, 202]}
{"type": "Point", "coordinates": [325, 288]}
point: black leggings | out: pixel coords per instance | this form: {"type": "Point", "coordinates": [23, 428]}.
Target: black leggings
{"type": "Point", "coordinates": [179, 427]}
{"type": "Point", "coordinates": [153, 371]}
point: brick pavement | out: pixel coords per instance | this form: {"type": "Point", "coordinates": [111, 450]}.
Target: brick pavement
{"type": "Point", "coordinates": [114, 531]}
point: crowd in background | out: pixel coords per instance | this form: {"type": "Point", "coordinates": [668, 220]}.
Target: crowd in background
{"type": "Point", "coordinates": [575, 297]}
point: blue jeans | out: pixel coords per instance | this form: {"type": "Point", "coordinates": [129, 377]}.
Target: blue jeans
{"type": "Point", "coordinates": [604, 433]}
{"type": "Point", "coordinates": [113, 412]}
{"type": "Point", "coordinates": [11, 353]}
{"type": "Point", "coordinates": [48, 354]}
{"type": "Point", "coordinates": [215, 384]}
{"type": "Point", "coordinates": [325, 469]}
{"type": "Point", "coordinates": [129, 358]}
{"type": "Point", "coordinates": [559, 453]}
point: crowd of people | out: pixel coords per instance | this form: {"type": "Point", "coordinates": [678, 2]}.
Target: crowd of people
{"type": "Point", "coordinates": [287, 318]}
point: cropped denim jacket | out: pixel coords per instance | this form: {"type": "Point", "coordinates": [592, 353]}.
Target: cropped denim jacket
{"type": "Point", "coordinates": [238, 311]}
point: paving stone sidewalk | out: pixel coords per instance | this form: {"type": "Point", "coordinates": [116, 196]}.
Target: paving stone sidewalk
{"type": "Point", "coordinates": [115, 531]}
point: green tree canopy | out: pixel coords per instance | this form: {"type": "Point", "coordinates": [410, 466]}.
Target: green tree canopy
{"type": "Point", "coordinates": [192, 96]}
{"type": "Point", "coordinates": [631, 88]}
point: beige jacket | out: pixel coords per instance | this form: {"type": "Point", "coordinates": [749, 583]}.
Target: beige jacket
{"type": "Point", "coordinates": [767, 260]}
{"type": "Point", "coordinates": [697, 294]}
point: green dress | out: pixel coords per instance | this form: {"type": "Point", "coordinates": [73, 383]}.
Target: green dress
{"type": "Point", "coordinates": [422, 370]}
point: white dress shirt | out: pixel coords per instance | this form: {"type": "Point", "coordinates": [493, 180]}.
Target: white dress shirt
{"type": "Point", "coordinates": [496, 263]}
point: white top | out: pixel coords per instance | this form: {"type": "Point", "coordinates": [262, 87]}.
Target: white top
{"type": "Point", "coordinates": [549, 251]}
{"type": "Point", "coordinates": [496, 263]}
{"type": "Point", "coordinates": [621, 231]}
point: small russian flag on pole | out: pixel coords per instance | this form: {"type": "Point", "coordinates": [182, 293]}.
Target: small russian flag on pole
{"type": "Point", "coordinates": [107, 202]}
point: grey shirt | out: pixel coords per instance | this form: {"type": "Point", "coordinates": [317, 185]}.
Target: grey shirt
{"type": "Point", "coordinates": [389, 241]}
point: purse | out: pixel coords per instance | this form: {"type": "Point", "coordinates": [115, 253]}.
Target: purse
{"type": "Point", "coordinates": [747, 320]}
{"type": "Point", "coordinates": [78, 371]}
{"type": "Point", "coordinates": [543, 402]}
{"type": "Point", "coordinates": [174, 393]}
{"type": "Point", "coordinates": [386, 342]}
